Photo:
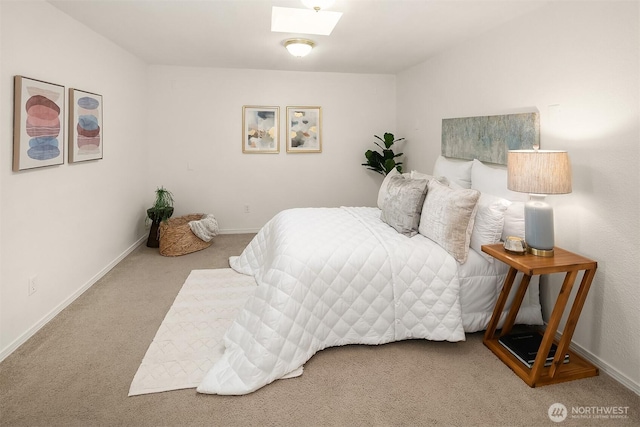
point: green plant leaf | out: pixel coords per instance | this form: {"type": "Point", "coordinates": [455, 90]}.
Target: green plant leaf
{"type": "Point", "coordinates": [383, 162]}
{"type": "Point", "coordinates": [163, 204]}
{"type": "Point", "coordinates": [388, 154]}
{"type": "Point", "coordinates": [389, 165]}
{"type": "Point", "coordinates": [388, 140]}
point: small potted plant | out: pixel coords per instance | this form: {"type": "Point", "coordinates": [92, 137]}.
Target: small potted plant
{"type": "Point", "coordinates": [161, 210]}
{"type": "Point", "coordinates": [384, 162]}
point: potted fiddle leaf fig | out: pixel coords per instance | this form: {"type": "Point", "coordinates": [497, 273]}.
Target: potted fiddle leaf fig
{"type": "Point", "coordinates": [385, 161]}
{"type": "Point", "coordinates": [161, 210]}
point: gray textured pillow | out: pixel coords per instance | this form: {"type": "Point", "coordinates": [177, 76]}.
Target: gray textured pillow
{"type": "Point", "coordinates": [382, 193]}
{"type": "Point", "coordinates": [403, 204]}
{"type": "Point", "coordinates": [447, 218]}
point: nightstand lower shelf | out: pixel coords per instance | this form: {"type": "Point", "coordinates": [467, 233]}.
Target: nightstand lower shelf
{"type": "Point", "coordinates": [576, 368]}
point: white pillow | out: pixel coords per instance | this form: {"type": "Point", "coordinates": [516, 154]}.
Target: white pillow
{"type": "Point", "coordinates": [493, 181]}
{"type": "Point", "coordinates": [403, 204]}
{"type": "Point", "coordinates": [514, 221]}
{"type": "Point", "coordinates": [455, 186]}
{"type": "Point", "coordinates": [447, 218]}
{"type": "Point", "coordinates": [382, 193]}
{"type": "Point", "coordinates": [488, 224]}
{"type": "Point", "coordinates": [458, 171]}
{"type": "Point", "coordinates": [420, 175]}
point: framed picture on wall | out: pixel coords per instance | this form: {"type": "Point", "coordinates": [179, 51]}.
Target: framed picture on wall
{"type": "Point", "coordinates": [304, 130]}
{"type": "Point", "coordinates": [260, 129]}
{"type": "Point", "coordinates": [38, 130]}
{"type": "Point", "coordinates": [85, 126]}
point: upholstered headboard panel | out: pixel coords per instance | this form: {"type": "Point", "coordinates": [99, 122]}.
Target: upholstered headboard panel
{"type": "Point", "coordinates": [489, 138]}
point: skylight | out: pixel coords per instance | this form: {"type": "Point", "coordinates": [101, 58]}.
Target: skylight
{"type": "Point", "coordinates": [303, 21]}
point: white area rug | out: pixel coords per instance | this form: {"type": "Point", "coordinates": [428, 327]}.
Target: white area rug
{"type": "Point", "coordinates": [190, 338]}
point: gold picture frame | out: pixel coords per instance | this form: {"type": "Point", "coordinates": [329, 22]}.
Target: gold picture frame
{"type": "Point", "coordinates": [260, 129]}
{"type": "Point", "coordinates": [304, 129]}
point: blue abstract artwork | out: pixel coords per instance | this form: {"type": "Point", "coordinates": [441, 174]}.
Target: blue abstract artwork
{"type": "Point", "coordinates": [488, 138]}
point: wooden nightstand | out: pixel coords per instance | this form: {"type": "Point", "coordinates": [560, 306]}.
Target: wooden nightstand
{"type": "Point", "coordinates": [530, 265]}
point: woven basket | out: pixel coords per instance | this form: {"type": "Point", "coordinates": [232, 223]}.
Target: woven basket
{"type": "Point", "coordinates": [176, 237]}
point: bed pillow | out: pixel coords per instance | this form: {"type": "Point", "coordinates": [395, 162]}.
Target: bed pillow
{"type": "Point", "coordinates": [420, 175]}
{"type": "Point", "coordinates": [488, 223]}
{"type": "Point", "coordinates": [382, 193]}
{"type": "Point", "coordinates": [403, 204]}
{"type": "Point", "coordinates": [492, 180]}
{"type": "Point", "coordinates": [458, 171]}
{"type": "Point", "coordinates": [447, 218]}
{"type": "Point", "coordinates": [514, 221]}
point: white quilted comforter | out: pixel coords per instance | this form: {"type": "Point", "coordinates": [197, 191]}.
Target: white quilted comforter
{"type": "Point", "coordinates": [330, 277]}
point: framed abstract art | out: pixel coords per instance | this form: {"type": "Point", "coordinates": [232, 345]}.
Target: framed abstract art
{"type": "Point", "coordinates": [304, 130]}
{"type": "Point", "coordinates": [85, 126]}
{"type": "Point", "coordinates": [38, 130]}
{"type": "Point", "coordinates": [260, 129]}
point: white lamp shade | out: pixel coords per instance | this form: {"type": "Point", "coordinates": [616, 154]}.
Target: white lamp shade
{"type": "Point", "coordinates": [539, 171]}
{"type": "Point", "coordinates": [299, 47]}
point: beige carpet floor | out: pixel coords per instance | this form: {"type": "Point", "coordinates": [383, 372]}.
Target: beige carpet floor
{"type": "Point", "coordinates": [76, 371]}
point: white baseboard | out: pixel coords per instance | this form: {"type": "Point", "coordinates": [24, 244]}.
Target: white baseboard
{"type": "Point", "coordinates": [603, 366]}
{"type": "Point", "coordinates": [53, 313]}
{"type": "Point", "coordinates": [239, 230]}
{"type": "Point", "coordinates": [606, 368]}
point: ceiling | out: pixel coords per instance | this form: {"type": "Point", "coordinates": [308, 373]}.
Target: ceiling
{"type": "Point", "coordinates": [373, 36]}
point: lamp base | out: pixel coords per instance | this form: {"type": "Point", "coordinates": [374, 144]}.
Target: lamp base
{"type": "Point", "coordinates": [540, 252]}
{"type": "Point", "coordinates": [538, 226]}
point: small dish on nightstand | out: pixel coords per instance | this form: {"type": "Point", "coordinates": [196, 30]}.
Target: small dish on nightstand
{"type": "Point", "coordinates": [515, 245]}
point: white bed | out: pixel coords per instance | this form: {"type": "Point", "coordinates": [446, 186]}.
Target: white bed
{"type": "Point", "coordinates": [336, 276]}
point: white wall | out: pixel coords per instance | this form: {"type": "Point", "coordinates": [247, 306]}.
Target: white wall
{"type": "Point", "coordinates": [66, 224]}
{"type": "Point", "coordinates": [583, 56]}
{"type": "Point", "coordinates": [195, 122]}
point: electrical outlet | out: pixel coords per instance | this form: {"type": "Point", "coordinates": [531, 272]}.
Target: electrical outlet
{"type": "Point", "coordinates": [246, 209]}
{"type": "Point", "coordinates": [33, 284]}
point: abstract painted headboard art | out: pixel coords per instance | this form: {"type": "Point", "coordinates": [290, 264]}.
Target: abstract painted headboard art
{"type": "Point", "coordinates": [489, 138]}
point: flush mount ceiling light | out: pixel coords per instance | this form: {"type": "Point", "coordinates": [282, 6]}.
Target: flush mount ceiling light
{"type": "Point", "coordinates": [303, 21]}
{"type": "Point", "coordinates": [317, 5]}
{"type": "Point", "coordinates": [299, 47]}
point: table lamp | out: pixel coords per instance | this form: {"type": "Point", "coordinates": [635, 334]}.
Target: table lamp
{"type": "Point", "coordinates": [539, 173]}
